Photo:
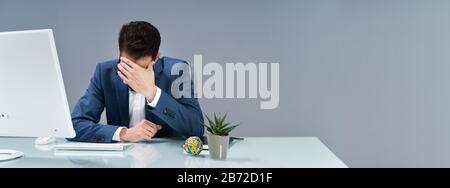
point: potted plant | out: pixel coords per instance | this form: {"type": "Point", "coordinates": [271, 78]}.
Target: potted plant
{"type": "Point", "coordinates": [218, 136]}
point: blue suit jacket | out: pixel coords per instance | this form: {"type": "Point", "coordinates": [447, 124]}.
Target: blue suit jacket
{"type": "Point", "coordinates": [106, 90]}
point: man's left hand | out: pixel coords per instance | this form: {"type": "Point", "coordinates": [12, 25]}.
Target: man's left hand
{"type": "Point", "coordinates": [141, 80]}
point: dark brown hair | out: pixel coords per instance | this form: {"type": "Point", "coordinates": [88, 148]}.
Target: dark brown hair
{"type": "Point", "coordinates": [139, 39]}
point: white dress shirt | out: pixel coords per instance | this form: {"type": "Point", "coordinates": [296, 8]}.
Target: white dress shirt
{"type": "Point", "coordinates": [136, 111]}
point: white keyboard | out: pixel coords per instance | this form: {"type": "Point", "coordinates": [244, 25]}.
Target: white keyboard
{"type": "Point", "coordinates": [77, 146]}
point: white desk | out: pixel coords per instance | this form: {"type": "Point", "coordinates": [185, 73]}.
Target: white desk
{"type": "Point", "coordinates": [252, 152]}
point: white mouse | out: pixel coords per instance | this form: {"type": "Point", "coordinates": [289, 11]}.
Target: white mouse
{"type": "Point", "coordinates": [44, 140]}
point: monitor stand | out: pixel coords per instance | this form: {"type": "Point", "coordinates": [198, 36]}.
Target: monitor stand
{"type": "Point", "coordinates": [7, 154]}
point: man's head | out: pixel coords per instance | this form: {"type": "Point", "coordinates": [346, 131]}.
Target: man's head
{"type": "Point", "coordinates": [139, 41]}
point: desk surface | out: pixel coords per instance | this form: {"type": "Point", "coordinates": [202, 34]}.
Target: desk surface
{"type": "Point", "coordinates": [253, 152]}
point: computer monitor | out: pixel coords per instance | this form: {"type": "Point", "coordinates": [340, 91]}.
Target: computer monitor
{"type": "Point", "coordinates": [33, 100]}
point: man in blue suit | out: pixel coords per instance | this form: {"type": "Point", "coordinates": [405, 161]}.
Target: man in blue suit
{"type": "Point", "coordinates": [135, 90]}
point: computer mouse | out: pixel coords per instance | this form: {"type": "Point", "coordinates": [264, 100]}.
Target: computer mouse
{"type": "Point", "coordinates": [44, 140]}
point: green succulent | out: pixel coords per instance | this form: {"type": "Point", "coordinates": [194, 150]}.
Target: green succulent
{"type": "Point", "coordinates": [219, 126]}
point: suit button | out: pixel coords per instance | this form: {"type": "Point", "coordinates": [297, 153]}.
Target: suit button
{"type": "Point", "coordinates": [167, 112]}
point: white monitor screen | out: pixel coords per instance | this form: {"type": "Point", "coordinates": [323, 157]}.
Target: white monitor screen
{"type": "Point", "coordinates": [33, 100]}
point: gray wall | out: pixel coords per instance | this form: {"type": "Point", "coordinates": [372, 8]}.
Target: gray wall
{"type": "Point", "coordinates": [369, 78]}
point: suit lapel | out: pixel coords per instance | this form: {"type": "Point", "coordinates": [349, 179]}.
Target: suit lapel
{"type": "Point", "coordinates": [158, 68]}
{"type": "Point", "coordinates": [122, 99]}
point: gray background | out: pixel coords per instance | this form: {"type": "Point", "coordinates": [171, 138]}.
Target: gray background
{"type": "Point", "coordinates": [369, 78]}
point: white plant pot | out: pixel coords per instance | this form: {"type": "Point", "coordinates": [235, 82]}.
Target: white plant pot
{"type": "Point", "coordinates": [218, 146]}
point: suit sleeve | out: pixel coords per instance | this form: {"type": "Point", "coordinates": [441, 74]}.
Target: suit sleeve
{"type": "Point", "coordinates": [87, 113]}
{"type": "Point", "coordinates": [184, 115]}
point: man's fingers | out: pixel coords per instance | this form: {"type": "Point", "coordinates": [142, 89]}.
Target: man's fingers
{"type": "Point", "coordinates": [127, 67]}
{"type": "Point", "coordinates": [144, 136]}
{"type": "Point", "coordinates": [150, 124]}
{"type": "Point", "coordinates": [149, 128]}
{"type": "Point", "coordinates": [147, 133]}
{"type": "Point", "coordinates": [122, 76]}
{"type": "Point", "coordinates": [154, 126]}
{"type": "Point", "coordinates": [123, 70]}
{"type": "Point", "coordinates": [129, 62]}
{"type": "Point", "coordinates": [158, 127]}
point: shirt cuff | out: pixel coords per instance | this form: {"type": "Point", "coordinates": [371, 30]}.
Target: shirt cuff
{"type": "Point", "coordinates": [116, 136]}
{"type": "Point", "coordinates": [155, 100]}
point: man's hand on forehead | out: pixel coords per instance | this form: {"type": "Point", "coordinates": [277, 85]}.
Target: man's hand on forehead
{"type": "Point", "coordinates": [141, 80]}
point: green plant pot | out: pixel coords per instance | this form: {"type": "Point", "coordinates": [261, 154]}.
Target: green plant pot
{"type": "Point", "coordinates": [218, 146]}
